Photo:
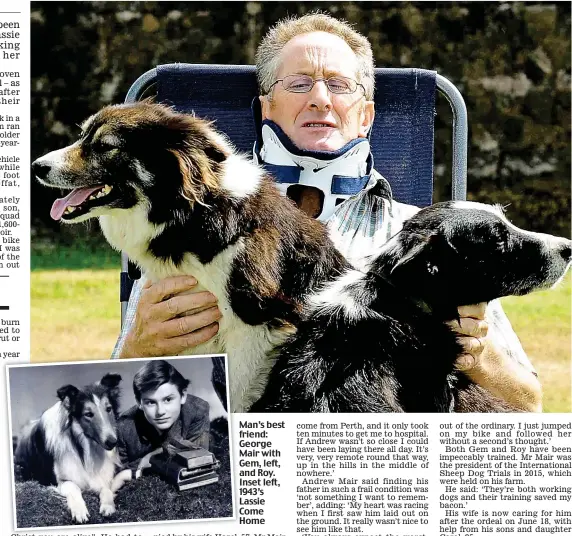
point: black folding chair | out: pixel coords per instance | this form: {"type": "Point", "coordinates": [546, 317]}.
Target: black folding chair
{"type": "Point", "coordinates": [401, 138]}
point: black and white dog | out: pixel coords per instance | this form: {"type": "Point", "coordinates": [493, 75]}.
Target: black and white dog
{"type": "Point", "coordinates": [172, 193]}
{"type": "Point", "coordinates": [378, 341]}
{"type": "Point", "coordinates": [73, 446]}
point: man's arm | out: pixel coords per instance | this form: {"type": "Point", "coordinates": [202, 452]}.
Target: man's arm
{"type": "Point", "coordinates": [494, 357]}
{"type": "Point", "coordinates": [163, 321]}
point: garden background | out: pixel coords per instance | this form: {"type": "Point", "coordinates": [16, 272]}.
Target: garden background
{"type": "Point", "coordinates": [511, 62]}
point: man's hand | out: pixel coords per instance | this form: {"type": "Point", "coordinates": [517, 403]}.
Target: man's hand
{"type": "Point", "coordinates": [471, 329]}
{"type": "Point", "coordinates": [488, 365]}
{"type": "Point", "coordinates": [169, 319]}
{"type": "Point", "coordinates": [144, 462]}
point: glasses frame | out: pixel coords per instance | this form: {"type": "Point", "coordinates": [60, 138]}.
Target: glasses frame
{"type": "Point", "coordinates": [314, 80]}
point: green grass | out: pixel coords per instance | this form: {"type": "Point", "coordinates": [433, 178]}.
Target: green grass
{"type": "Point", "coordinates": [542, 322]}
{"type": "Point", "coordinates": [75, 309]}
{"type": "Point", "coordinates": [76, 315]}
{"type": "Point", "coordinates": [47, 255]}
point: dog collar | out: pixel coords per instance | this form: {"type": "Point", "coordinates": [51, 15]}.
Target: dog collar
{"type": "Point", "coordinates": [339, 174]}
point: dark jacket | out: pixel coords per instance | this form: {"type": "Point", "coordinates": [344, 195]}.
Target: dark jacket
{"type": "Point", "coordinates": [138, 437]}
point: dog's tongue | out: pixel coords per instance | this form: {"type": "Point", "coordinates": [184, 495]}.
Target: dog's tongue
{"type": "Point", "coordinates": [74, 198]}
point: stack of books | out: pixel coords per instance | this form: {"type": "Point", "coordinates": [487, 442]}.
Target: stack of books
{"type": "Point", "coordinates": [186, 469]}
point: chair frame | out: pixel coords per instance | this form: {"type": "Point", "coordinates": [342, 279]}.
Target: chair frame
{"type": "Point", "coordinates": [459, 137]}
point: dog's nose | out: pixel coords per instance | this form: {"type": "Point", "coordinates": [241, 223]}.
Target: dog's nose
{"type": "Point", "coordinates": [40, 169]}
{"type": "Point", "coordinates": [110, 443]}
{"type": "Point", "coordinates": [566, 250]}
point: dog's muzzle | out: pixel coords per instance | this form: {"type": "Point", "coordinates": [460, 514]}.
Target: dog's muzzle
{"type": "Point", "coordinates": [40, 169]}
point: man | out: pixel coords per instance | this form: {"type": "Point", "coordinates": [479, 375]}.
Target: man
{"type": "Point", "coordinates": [165, 416]}
{"type": "Point", "coordinates": [316, 78]}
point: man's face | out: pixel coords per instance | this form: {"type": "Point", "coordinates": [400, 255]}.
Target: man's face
{"type": "Point", "coordinates": [318, 120]}
{"type": "Point", "coordinates": [163, 406]}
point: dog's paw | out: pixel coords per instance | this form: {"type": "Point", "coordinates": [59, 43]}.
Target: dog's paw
{"type": "Point", "coordinates": [79, 512]}
{"type": "Point", "coordinates": [107, 509]}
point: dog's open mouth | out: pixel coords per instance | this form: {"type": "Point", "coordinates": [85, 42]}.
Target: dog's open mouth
{"type": "Point", "coordinates": [80, 201]}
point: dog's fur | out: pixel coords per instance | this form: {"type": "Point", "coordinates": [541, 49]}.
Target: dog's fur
{"type": "Point", "coordinates": [73, 446]}
{"type": "Point", "coordinates": [182, 202]}
{"type": "Point", "coordinates": [378, 341]}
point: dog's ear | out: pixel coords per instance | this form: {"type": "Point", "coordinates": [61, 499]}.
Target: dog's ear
{"type": "Point", "coordinates": [426, 255]}
{"type": "Point", "coordinates": [67, 394]}
{"type": "Point", "coordinates": [111, 383]}
{"type": "Point", "coordinates": [408, 257]}
{"type": "Point", "coordinates": [198, 170]}
{"type": "Point", "coordinates": [413, 256]}
{"type": "Point", "coordinates": [110, 380]}
{"type": "Point", "coordinates": [199, 152]}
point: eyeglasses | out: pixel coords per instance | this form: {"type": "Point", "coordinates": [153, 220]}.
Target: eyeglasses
{"type": "Point", "coordinates": [303, 83]}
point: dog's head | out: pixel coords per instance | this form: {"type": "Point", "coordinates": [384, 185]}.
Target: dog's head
{"type": "Point", "coordinates": [125, 152]}
{"type": "Point", "coordinates": [94, 408]}
{"type": "Point", "coordinates": [461, 253]}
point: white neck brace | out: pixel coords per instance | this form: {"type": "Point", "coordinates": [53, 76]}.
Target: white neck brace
{"type": "Point", "coordinates": [339, 175]}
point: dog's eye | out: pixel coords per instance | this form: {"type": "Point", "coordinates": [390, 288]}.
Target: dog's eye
{"type": "Point", "coordinates": [88, 414]}
{"type": "Point", "coordinates": [501, 238]}
{"type": "Point", "coordinates": [108, 409]}
{"type": "Point", "coordinates": [107, 142]}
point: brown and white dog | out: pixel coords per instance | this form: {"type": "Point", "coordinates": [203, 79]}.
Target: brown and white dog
{"type": "Point", "coordinates": [73, 446]}
{"type": "Point", "coordinates": [172, 193]}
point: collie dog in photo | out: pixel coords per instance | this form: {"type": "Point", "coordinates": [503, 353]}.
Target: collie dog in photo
{"type": "Point", "coordinates": [173, 194]}
{"type": "Point", "coordinates": [73, 446]}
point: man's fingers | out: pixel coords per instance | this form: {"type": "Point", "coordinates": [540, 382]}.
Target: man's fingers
{"type": "Point", "coordinates": [471, 345]}
{"type": "Point", "coordinates": [473, 311]}
{"type": "Point", "coordinates": [470, 327]}
{"type": "Point", "coordinates": [176, 345]}
{"type": "Point", "coordinates": [184, 325]}
{"type": "Point", "coordinates": [472, 350]}
{"type": "Point", "coordinates": [465, 362]}
{"type": "Point", "coordinates": [157, 292]}
{"type": "Point", "coordinates": [185, 303]}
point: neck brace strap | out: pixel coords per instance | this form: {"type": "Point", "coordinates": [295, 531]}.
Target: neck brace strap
{"type": "Point", "coordinates": [338, 174]}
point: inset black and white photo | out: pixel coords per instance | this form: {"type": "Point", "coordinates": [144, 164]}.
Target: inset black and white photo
{"type": "Point", "coordinates": [124, 441]}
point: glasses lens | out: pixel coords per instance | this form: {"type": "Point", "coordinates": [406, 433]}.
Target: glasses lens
{"type": "Point", "coordinates": [342, 85]}
{"type": "Point", "coordinates": [298, 83]}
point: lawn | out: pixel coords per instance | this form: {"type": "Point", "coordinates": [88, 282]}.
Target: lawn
{"type": "Point", "coordinates": [76, 315]}
{"type": "Point", "coordinates": [543, 323]}
{"type": "Point", "coordinates": [75, 310]}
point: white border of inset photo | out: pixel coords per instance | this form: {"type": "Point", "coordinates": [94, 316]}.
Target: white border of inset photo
{"type": "Point", "coordinates": [26, 405]}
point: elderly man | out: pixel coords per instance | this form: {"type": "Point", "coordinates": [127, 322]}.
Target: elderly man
{"type": "Point", "coordinates": [316, 78]}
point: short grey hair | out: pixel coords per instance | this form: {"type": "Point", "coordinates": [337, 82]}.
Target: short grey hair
{"type": "Point", "coordinates": [270, 48]}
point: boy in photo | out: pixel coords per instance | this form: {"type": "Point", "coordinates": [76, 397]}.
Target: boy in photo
{"type": "Point", "coordinates": [166, 416]}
